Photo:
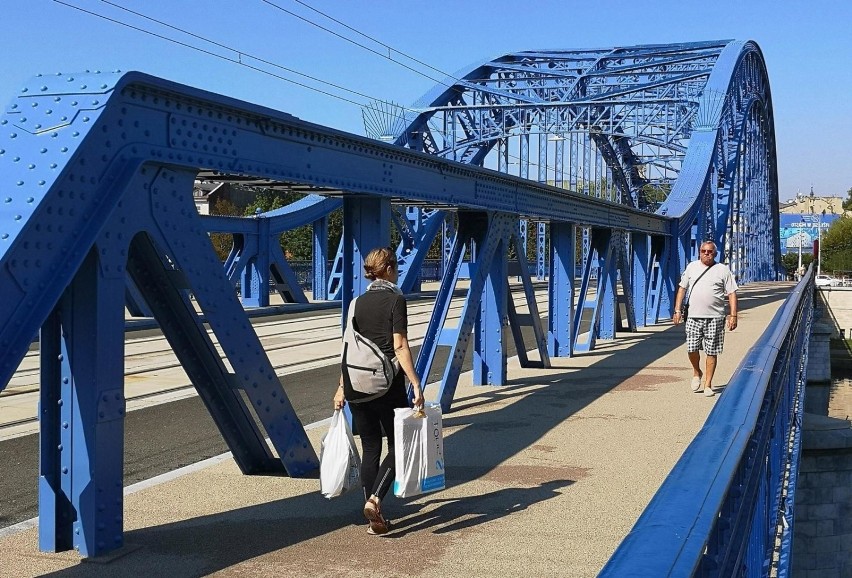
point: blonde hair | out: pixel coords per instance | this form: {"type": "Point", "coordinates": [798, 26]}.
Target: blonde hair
{"type": "Point", "coordinates": [377, 262]}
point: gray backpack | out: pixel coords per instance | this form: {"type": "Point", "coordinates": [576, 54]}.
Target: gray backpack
{"type": "Point", "coordinates": [367, 371]}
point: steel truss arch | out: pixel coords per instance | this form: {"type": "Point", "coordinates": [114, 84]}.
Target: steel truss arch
{"type": "Point", "coordinates": [728, 188]}
{"type": "Point", "coordinates": [685, 130]}
{"type": "Point", "coordinates": [625, 123]}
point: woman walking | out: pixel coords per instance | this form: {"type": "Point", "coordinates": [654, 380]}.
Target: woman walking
{"type": "Point", "coordinates": [381, 315]}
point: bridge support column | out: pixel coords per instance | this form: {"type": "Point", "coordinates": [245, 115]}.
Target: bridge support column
{"type": "Point", "coordinates": [640, 244]}
{"type": "Point", "coordinates": [249, 281]}
{"type": "Point", "coordinates": [489, 353]}
{"type": "Point", "coordinates": [607, 254]}
{"type": "Point", "coordinates": [561, 289]}
{"type": "Point", "coordinates": [416, 225]}
{"type": "Point", "coordinates": [366, 226]}
{"type": "Point", "coordinates": [320, 259]}
{"type": "Point", "coordinates": [81, 494]}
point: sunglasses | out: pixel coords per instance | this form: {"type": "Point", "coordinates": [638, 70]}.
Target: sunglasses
{"type": "Point", "coordinates": [710, 252]}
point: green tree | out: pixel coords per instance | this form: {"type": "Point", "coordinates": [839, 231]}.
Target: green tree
{"type": "Point", "coordinates": [655, 194]}
{"type": "Point", "coordinates": [297, 244]}
{"type": "Point", "coordinates": [222, 242]}
{"type": "Point", "coordinates": [847, 204]}
{"type": "Point", "coordinates": [836, 250]}
{"type": "Point", "coordinates": [791, 262]}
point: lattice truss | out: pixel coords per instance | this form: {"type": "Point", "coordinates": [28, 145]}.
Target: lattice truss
{"type": "Point", "coordinates": [606, 122]}
{"type": "Point", "coordinates": [618, 123]}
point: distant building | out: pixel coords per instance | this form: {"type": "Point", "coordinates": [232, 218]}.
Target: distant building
{"type": "Point", "coordinates": [811, 205]}
{"type": "Point", "coordinates": [205, 193]}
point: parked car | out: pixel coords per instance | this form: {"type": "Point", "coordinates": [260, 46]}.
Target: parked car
{"type": "Point", "coordinates": [826, 281]}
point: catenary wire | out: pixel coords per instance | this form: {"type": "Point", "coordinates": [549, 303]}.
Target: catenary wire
{"type": "Point", "coordinates": [237, 60]}
{"type": "Point", "coordinates": [367, 48]}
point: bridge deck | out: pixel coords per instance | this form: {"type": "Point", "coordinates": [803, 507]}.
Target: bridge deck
{"type": "Point", "coordinates": [545, 477]}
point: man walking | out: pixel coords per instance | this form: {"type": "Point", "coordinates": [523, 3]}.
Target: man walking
{"type": "Point", "coordinates": [704, 285]}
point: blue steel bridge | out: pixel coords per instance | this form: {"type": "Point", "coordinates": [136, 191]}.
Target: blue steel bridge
{"type": "Point", "coordinates": [612, 164]}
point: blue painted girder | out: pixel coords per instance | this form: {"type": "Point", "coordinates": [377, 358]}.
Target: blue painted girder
{"type": "Point", "coordinates": [592, 312]}
{"type": "Point", "coordinates": [488, 232]}
{"type": "Point", "coordinates": [256, 255]}
{"type": "Point", "coordinates": [532, 318]}
{"type": "Point", "coordinates": [108, 161]}
{"type": "Point", "coordinates": [411, 261]}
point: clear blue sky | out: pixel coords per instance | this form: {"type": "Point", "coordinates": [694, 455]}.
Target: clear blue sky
{"type": "Point", "coordinates": [807, 46]}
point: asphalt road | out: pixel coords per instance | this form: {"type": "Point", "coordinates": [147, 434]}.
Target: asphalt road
{"type": "Point", "coordinates": [168, 436]}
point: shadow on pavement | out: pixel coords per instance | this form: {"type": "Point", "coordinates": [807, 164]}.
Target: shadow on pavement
{"type": "Point", "coordinates": [516, 417]}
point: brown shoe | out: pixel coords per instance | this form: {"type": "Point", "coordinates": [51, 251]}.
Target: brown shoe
{"type": "Point", "coordinates": [378, 524]}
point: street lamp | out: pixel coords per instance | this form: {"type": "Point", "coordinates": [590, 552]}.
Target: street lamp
{"type": "Point", "coordinates": [799, 199]}
{"type": "Point", "coordinates": [819, 242]}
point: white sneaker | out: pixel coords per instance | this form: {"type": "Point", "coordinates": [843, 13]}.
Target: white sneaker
{"type": "Point", "coordinates": [708, 392]}
{"type": "Point", "coordinates": [697, 384]}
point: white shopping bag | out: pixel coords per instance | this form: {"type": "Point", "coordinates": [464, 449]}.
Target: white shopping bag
{"type": "Point", "coordinates": [419, 443]}
{"type": "Point", "coordinates": [340, 462]}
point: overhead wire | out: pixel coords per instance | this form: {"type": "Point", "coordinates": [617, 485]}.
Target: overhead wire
{"type": "Point", "coordinates": [240, 54]}
{"type": "Point", "coordinates": [376, 40]}
{"type": "Point", "coordinates": [238, 60]}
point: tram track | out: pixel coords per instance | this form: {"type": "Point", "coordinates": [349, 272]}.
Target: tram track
{"type": "Point", "coordinates": [287, 354]}
{"type": "Point", "coordinates": [25, 379]}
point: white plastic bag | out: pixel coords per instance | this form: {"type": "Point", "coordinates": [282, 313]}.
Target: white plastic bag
{"type": "Point", "coordinates": [340, 462]}
{"type": "Point", "coordinates": [419, 443]}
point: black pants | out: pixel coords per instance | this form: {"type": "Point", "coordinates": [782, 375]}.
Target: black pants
{"type": "Point", "coordinates": [371, 419]}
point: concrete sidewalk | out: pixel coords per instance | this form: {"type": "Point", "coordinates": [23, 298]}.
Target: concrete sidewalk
{"type": "Point", "coordinates": [545, 477]}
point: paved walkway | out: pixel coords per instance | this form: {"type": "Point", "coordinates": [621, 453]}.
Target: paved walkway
{"type": "Point", "coordinates": [545, 477]}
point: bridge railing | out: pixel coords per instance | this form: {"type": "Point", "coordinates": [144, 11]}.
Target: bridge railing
{"type": "Point", "coordinates": [726, 508]}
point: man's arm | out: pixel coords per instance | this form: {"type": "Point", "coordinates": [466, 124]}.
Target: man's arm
{"type": "Point", "coordinates": [678, 300]}
{"type": "Point", "coordinates": [732, 308]}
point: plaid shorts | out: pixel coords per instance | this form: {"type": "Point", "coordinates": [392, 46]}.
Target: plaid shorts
{"type": "Point", "coordinates": [706, 334]}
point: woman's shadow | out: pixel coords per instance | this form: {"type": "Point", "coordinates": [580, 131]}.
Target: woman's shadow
{"type": "Point", "coordinates": [453, 514]}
